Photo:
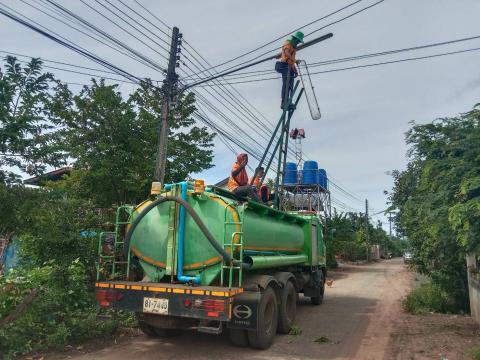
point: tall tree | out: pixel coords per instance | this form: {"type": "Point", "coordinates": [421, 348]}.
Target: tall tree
{"type": "Point", "coordinates": [113, 141]}
{"type": "Point", "coordinates": [438, 198]}
{"type": "Point", "coordinates": [27, 140]}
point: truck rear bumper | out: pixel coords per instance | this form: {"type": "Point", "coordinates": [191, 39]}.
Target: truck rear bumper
{"type": "Point", "coordinates": [198, 302]}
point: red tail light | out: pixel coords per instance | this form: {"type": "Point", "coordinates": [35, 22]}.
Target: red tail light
{"type": "Point", "coordinates": [210, 305]}
{"type": "Point", "coordinates": [105, 297]}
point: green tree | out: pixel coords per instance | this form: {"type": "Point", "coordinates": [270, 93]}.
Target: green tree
{"type": "Point", "coordinates": [27, 142]}
{"type": "Point", "coordinates": [348, 238]}
{"type": "Point", "coordinates": [113, 141]}
{"type": "Point", "coordinates": [438, 198]}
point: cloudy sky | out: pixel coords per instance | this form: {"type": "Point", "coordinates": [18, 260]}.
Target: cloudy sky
{"type": "Point", "coordinates": [365, 112]}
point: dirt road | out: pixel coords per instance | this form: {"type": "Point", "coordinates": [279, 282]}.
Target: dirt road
{"type": "Point", "coordinates": [354, 322]}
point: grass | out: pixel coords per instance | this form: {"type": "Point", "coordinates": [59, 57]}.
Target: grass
{"type": "Point", "coordinates": [426, 299]}
{"type": "Point", "coordinates": [295, 331]}
{"type": "Point", "coordinates": [475, 353]}
{"type": "Point", "coordinates": [322, 340]}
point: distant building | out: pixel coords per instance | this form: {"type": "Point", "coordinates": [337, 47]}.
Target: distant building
{"type": "Point", "coordinates": [54, 175]}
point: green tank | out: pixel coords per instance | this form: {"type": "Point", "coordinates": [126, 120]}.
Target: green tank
{"type": "Point", "coordinates": [255, 233]}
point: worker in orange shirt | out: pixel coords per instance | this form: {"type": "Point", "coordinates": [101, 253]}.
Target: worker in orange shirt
{"type": "Point", "coordinates": [288, 62]}
{"type": "Point", "coordinates": [238, 180]}
{"type": "Point", "coordinates": [263, 190]}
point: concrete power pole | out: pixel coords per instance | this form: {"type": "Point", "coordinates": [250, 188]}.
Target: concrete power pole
{"type": "Point", "coordinates": [366, 229]}
{"type": "Point", "coordinates": [169, 90]}
{"type": "Point", "coordinates": [390, 233]}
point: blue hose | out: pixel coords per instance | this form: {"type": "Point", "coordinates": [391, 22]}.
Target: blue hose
{"type": "Point", "coordinates": [181, 238]}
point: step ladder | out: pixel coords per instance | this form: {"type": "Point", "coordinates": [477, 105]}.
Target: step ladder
{"type": "Point", "coordinates": [112, 264]}
{"type": "Point", "coordinates": [235, 249]}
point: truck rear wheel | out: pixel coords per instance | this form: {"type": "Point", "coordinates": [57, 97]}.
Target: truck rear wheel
{"type": "Point", "coordinates": [263, 337]}
{"type": "Point", "coordinates": [238, 337]}
{"type": "Point", "coordinates": [318, 300]}
{"type": "Point", "coordinates": [287, 308]}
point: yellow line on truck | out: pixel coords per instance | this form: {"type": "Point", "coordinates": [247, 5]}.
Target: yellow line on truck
{"type": "Point", "coordinates": [229, 293]}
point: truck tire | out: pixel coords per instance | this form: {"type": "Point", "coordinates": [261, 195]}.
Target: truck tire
{"type": "Point", "coordinates": [238, 337]}
{"type": "Point", "coordinates": [318, 300]}
{"type": "Point", "coordinates": [263, 337]}
{"type": "Point", "coordinates": [287, 308]}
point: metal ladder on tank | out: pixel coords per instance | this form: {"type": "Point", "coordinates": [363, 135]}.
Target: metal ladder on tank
{"type": "Point", "coordinates": [115, 255]}
{"type": "Point", "coordinates": [233, 248]}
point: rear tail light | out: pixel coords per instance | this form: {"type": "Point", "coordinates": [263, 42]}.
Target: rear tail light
{"type": "Point", "coordinates": [105, 297]}
{"type": "Point", "coordinates": [210, 305]}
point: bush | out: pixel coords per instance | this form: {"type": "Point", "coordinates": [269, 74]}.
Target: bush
{"type": "Point", "coordinates": [428, 298]}
{"type": "Point", "coordinates": [64, 309]}
{"type": "Point", "coordinates": [475, 353]}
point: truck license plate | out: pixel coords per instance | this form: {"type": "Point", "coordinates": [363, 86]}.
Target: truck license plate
{"type": "Point", "coordinates": [156, 306]}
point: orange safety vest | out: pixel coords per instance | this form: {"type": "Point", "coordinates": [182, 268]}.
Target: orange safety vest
{"type": "Point", "coordinates": [285, 58]}
{"type": "Point", "coordinates": [241, 179]}
{"type": "Point", "coordinates": [261, 187]}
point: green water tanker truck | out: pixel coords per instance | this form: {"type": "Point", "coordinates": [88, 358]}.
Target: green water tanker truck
{"type": "Point", "coordinates": [196, 257]}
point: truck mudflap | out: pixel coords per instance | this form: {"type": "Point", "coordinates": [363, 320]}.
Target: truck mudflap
{"type": "Point", "coordinates": [202, 302]}
{"type": "Point", "coordinates": [245, 311]}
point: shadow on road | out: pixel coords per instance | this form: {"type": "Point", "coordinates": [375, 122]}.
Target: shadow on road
{"type": "Point", "coordinates": [340, 321]}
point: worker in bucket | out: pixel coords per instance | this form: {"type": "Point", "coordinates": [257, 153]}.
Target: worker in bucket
{"type": "Point", "coordinates": [238, 180]}
{"type": "Point", "coordinates": [288, 62]}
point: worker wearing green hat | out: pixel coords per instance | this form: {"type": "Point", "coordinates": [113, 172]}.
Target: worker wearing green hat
{"type": "Point", "coordinates": [287, 63]}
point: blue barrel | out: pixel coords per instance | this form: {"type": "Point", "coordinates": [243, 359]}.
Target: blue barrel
{"type": "Point", "coordinates": [322, 178]}
{"type": "Point", "coordinates": [310, 172]}
{"type": "Point", "coordinates": [290, 173]}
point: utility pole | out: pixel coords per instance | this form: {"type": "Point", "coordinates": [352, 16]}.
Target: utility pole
{"type": "Point", "coordinates": [390, 233]}
{"type": "Point", "coordinates": [366, 229]}
{"type": "Point", "coordinates": [169, 92]}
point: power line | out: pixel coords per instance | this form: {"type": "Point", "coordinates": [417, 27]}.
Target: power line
{"type": "Point", "coordinates": [144, 18]}
{"type": "Point", "coordinates": [120, 80]}
{"type": "Point", "coordinates": [194, 61]}
{"type": "Point", "coordinates": [360, 57]}
{"type": "Point", "coordinates": [116, 47]}
{"type": "Point", "coordinates": [321, 28]}
{"type": "Point", "coordinates": [346, 17]}
{"type": "Point", "coordinates": [359, 66]}
{"type": "Point", "coordinates": [227, 92]}
{"type": "Point", "coordinates": [108, 36]}
{"type": "Point", "coordinates": [276, 39]}
{"type": "Point", "coordinates": [83, 73]}
{"type": "Point", "coordinates": [122, 28]}
{"type": "Point", "coordinates": [56, 62]}
{"type": "Point", "coordinates": [70, 46]}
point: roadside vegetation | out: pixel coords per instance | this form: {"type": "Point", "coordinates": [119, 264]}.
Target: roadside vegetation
{"type": "Point", "coordinates": [475, 353]}
{"type": "Point", "coordinates": [48, 299]}
{"type": "Point", "coordinates": [428, 298]}
{"type": "Point", "coordinates": [346, 239]}
{"type": "Point", "coordinates": [437, 199]}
